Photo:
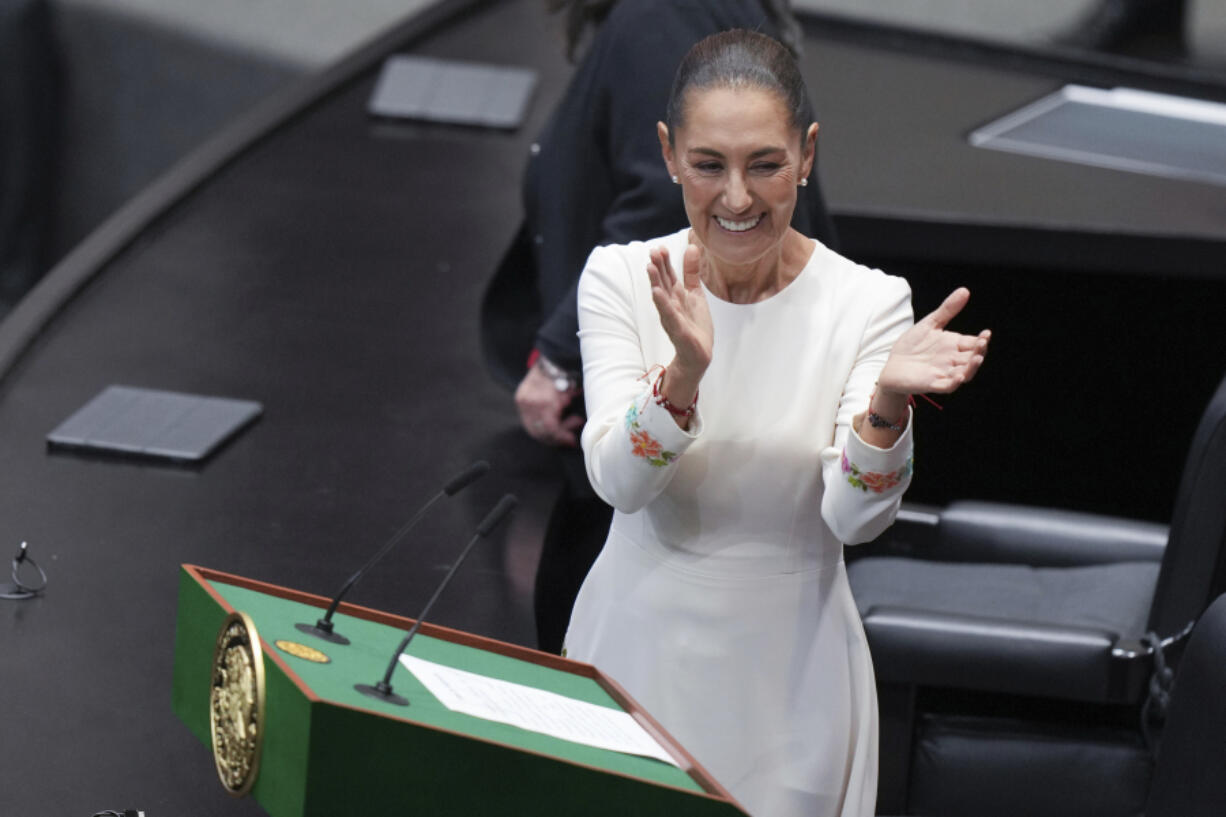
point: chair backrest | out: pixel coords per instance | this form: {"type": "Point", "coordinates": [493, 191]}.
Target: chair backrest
{"type": "Point", "coordinates": [1194, 566]}
{"type": "Point", "coordinates": [1190, 777]}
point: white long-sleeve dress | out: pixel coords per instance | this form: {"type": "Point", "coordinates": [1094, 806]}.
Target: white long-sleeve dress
{"type": "Point", "coordinates": [720, 600]}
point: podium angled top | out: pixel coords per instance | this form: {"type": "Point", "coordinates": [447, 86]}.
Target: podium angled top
{"type": "Point", "coordinates": [373, 638]}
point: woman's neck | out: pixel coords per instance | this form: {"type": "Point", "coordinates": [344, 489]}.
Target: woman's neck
{"type": "Point", "coordinates": [752, 283]}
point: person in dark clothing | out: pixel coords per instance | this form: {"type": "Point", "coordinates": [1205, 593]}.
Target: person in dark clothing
{"type": "Point", "coordinates": [594, 177]}
{"type": "Point", "coordinates": [1121, 25]}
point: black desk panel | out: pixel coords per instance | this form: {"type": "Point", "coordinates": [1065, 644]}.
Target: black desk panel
{"type": "Point", "coordinates": [332, 271]}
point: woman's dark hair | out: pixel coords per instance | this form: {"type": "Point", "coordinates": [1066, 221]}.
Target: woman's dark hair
{"type": "Point", "coordinates": [582, 13]}
{"type": "Point", "coordinates": [740, 59]}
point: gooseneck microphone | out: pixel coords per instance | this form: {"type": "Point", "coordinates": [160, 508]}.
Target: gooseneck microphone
{"type": "Point", "coordinates": [19, 590]}
{"type": "Point", "coordinates": [323, 627]}
{"type": "Point", "coordinates": [383, 689]}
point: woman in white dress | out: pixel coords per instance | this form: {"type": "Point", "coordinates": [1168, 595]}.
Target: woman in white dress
{"type": "Point", "coordinates": [747, 418]}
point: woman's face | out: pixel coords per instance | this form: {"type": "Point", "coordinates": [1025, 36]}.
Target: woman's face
{"type": "Point", "coordinates": [739, 160]}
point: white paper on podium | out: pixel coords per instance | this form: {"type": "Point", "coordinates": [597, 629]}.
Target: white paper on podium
{"type": "Point", "coordinates": [537, 710]}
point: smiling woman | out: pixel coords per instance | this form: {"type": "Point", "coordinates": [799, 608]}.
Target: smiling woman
{"type": "Point", "coordinates": [720, 599]}
{"type": "Point", "coordinates": [739, 161]}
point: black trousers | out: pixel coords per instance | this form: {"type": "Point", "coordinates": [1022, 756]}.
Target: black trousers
{"type": "Point", "coordinates": [576, 532]}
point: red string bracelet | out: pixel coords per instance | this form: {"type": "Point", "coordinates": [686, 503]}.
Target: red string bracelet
{"type": "Point", "coordinates": [661, 400]}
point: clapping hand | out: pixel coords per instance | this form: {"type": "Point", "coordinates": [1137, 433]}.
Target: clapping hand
{"type": "Point", "coordinates": [930, 358]}
{"type": "Point", "coordinates": [682, 305]}
{"type": "Point", "coordinates": [686, 319]}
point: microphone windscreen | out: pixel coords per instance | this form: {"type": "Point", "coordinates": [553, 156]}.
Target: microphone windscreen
{"type": "Point", "coordinates": [466, 477]}
{"type": "Point", "coordinates": [504, 507]}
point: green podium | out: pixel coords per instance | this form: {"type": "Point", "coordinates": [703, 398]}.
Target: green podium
{"type": "Point", "coordinates": [326, 749]}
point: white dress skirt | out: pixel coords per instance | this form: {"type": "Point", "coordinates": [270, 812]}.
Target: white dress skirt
{"type": "Point", "coordinates": [720, 600]}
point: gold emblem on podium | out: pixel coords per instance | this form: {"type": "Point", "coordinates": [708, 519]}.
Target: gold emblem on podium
{"type": "Point", "coordinates": [302, 651]}
{"type": "Point", "coordinates": [236, 703]}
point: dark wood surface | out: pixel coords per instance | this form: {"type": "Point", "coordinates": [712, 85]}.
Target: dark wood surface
{"type": "Point", "coordinates": [331, 268]}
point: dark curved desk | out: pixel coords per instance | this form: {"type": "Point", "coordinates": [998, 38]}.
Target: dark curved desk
{"type": "Point", "coordinates": [330, 267]}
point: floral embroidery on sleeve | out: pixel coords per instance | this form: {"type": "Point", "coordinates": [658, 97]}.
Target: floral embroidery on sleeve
{"type": "Point", "coordinates": [873, 480]}
{"type": "Point", "coordinates": [642, 444]}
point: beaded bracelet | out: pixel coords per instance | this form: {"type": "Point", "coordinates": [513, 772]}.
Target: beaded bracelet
{"type": "Point", "coordinates": [877, 421]}
{"type": "Point", "coordinates": [661, 400]}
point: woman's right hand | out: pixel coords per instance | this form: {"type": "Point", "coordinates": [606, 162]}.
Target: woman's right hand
{"type": "Point", "coordinates": [686, 319]}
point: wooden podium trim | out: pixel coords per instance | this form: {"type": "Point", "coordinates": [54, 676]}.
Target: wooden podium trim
{"type": "Point", "coordinates": [710, 787]}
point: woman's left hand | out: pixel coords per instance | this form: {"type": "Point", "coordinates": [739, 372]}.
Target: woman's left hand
{"type": "Point", "coordinates": [929, 358]}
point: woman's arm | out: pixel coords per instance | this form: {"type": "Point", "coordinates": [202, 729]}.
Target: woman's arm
{"type": "Point", "coordinates": [631, 442]}
{"type": "Point", "coordinates": [686, 319]}
{"type": "Point", "coordinates": [927, 358]}
{"type": "Point", "coordinates": [876, 458]}
{"type": "Point", "coordinates": [864, 475]}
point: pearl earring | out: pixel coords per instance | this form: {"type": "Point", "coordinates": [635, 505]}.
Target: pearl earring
{"type": "Point", "coordinates": [804, 182]}
{"type": "Point", "coordinates": [675, 180]}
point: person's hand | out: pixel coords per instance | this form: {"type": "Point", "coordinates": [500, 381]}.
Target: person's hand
{"type": "Point", "coordinates": [929, 358]}
{"type": "Point", "coordinates": [684, 314]}
{"type": "Point", "coordinates": [541, 407]}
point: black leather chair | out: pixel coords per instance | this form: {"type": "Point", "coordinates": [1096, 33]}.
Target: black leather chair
{"type": "Point", "coordinates": [1009, 642]}
{"type": "Point", "coordinates": [1187, 779]}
